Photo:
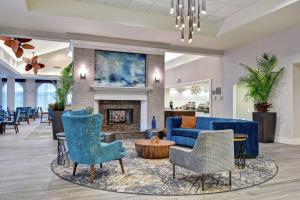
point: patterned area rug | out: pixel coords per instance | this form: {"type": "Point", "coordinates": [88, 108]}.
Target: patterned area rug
{"type": "Point", "coordinates": [42, 131]}
{"type": "Point", "coordinates": [154, 177]}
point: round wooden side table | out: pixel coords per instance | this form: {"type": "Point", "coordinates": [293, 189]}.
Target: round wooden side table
{"type": "Point", "coordinates": [149, 150]}
{"type": "Point", "coordinates": [240, 157]}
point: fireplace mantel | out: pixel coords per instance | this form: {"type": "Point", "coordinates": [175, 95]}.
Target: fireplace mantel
{"type": "Point", "coordinates": [120, 89]}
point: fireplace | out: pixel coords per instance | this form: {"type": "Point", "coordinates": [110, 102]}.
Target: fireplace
{"type": "Point", "coordinates": [119, 116]}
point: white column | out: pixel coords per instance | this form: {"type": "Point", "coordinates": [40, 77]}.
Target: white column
{"type": "Point", "coordinates": [11, 93]}
{"type": "Point", "coordinates": [144, 115]}
{"type": "Point", "coordinates": [30, 93]}
{"type": "Point", "coordinates": [1, 92]}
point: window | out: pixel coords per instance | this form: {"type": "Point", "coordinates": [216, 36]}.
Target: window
{"type": "Point", "coordinates": [19, 95]}
{"type": "Point", "coordinates": [46, 93]}
{"type": "Point", "coordinates": [4, 96]}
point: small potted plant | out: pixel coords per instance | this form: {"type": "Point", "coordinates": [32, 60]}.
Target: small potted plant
{"type": "Point", "coordinates": [260, 83]}
{"type": "Point", "coordinates": [67, 81]}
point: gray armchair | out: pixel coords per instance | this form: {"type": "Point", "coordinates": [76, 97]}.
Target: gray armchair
{"type": "Point", "coordinates": [212, 153]}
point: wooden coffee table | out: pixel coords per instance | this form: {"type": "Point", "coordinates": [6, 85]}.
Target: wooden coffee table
{"type": "Point", "coordinates": [146, 149]}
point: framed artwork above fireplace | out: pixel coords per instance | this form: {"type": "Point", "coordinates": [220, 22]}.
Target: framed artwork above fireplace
{"type": "Point", "coordinates": [120, 69]}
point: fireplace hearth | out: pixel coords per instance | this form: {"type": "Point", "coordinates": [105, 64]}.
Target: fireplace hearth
{"type": "Point", "coordinates": [119, 116]}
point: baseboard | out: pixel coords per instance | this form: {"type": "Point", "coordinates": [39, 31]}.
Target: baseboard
{"type": "Point", "coordinates": [294, 141]}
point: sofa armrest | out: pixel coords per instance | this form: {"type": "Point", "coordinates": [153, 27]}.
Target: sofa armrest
{"type": "Point", "coordinates": [172, 122]}
{"type": "Point", "coordinates": [246, 127]}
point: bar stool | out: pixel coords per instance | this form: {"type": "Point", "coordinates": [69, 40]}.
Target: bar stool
{"type": "Point", "coordinates": [62, 149]}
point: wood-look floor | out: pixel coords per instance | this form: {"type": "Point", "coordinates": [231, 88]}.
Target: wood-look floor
{"type": "Point", "coordinates": [25, 174]}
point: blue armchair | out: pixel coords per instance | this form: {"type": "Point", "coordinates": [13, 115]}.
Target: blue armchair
{"type": "Point", "coordinates": [83, 134]}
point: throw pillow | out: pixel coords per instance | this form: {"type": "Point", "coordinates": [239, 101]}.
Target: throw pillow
{"type": "Point", "coordinates": [188, 122]}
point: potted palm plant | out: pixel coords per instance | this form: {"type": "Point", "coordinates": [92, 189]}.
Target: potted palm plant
{"type": "Point", "coordinates": [260, 82]}
{"type": "Point", "coordinates": [67, 81]}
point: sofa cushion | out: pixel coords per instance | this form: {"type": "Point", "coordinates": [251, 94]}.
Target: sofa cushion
{"type": "Point", "coordinates": [188, 122]}
{"type": "Point", "coordinates": [186, 132]}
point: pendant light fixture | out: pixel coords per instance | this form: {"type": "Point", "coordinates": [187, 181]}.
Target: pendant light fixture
{"type": "Point", "coordinates": [187, 16]}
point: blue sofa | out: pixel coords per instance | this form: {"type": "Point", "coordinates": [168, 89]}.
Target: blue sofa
{"type": "Point", "coordinates": [187, 137]}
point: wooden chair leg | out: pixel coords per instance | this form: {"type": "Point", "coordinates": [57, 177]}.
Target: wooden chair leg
{"type": "Point", "coordinates": [17, 127]}
{"type": "Point", "coordinates": [92, 173]}
{"type": "Point", "coordinates": [121, 164]}
{"type": "Point", "coordinates": [173, 171]}
{"type": "Point", "coordinates": [230, 178]}
{"type": "Point", "coordinates": [74, 168]}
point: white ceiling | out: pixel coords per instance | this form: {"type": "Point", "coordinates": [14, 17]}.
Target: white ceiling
{"type": "Point", "coordinates": [41, 47]}
{"type": "Point", "coordinates": [52, 54]}
{"type": "Point", "coordinates": [170, 56]}
{"type": "Point", "coordinates": [61, 19]}
{"type": "Point", "coordinates": [173, 60]}
{"type": "Point", "coordinates": [217, 10]}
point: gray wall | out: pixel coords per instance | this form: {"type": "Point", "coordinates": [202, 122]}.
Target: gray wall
{"type": "Point", "coordinates": [82, 95]}
{"type": "Point", "coordinates": [156, 97]}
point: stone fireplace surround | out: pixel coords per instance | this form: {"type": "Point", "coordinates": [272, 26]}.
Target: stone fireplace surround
{"type": "Point", "coordinates": [87, 94]}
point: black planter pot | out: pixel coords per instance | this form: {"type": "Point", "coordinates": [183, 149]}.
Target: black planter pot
{"type": "Point", "coordinates": [266, 125]}
{"type": "Point", "coordinates": [57, 126]}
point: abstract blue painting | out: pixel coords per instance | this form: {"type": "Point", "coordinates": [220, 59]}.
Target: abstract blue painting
{"type": "Point", "coordinates": [119, 69]}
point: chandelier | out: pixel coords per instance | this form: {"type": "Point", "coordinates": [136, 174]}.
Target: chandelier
{"type": "Point", "coordinates": [187, 16]}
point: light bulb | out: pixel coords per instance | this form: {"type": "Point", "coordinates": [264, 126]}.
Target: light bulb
{"type": "Point", "coordinates": [172, 11]}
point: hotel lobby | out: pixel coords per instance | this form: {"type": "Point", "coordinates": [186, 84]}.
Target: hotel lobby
{"type": "Point", "coordinates": [145, 99]}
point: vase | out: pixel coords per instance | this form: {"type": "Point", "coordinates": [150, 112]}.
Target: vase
{"type": "Point", "coordinates": [153, 124]}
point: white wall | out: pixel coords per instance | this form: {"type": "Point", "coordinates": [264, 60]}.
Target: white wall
{"type": "Point", "coordinates": [205, 68]}
{"type": "Point", "coordinates": [182, 95]}
{"type": "Point", "coordinates": [286, 45]}
{"type": "Point", "coordinates": [242, 109]}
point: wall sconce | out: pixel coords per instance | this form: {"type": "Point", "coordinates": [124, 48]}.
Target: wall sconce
{"type": "Point", "coordinates": [82, 72]}
{"type": "Point", "coordinates": [82, 75]}
{"type": "Point", "coordinates": [156, 77]}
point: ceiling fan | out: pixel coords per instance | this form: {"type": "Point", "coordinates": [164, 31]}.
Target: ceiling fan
{"type": "Point", "coordinates": [33, 64]}
{"type": "Point", "coordinates": [17, 44]}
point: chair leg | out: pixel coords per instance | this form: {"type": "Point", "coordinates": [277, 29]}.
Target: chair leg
{"type": "Point", "coordinates": [173, 171]}
{"type": "Point", "coordinates": [203, 182]}
{"type": "Point", "coordinates": [230, 178]}
{"type": "Point", "coordinates": [74, 168]}
{"type": "Point", "coordinates": [16, 130]}
{"type": "Point", "coordinates": [17, 127]}
{"type": "Point", "coordinates": [4, 128]}
{"type": "Point", "coordinates": [92, 173]}
{"type": "Point", "coordinates": [121, 164]}
{"type": "Point", "coordinates": [101, 166]}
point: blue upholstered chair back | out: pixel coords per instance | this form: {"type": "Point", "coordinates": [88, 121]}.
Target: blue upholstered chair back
{"type": "Point", "coordinates": [83, 135]}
